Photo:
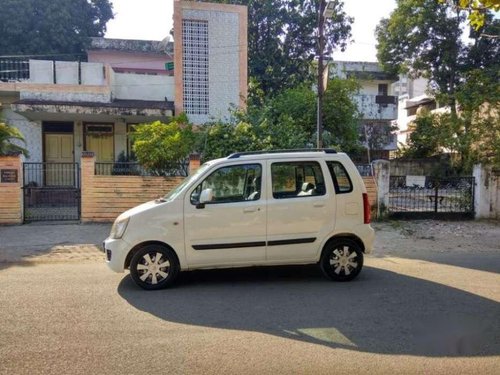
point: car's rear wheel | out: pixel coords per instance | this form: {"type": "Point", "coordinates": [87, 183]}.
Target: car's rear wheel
{"type": "Point", "coordinates": [342, 259]}
{"type": "Point", "coordinates": [154, 267]}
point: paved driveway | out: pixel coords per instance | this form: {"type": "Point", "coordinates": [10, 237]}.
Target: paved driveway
{"type": "Point", "coordinates": [421, 305]}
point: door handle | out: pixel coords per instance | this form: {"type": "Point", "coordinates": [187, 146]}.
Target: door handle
{"type": "Point", "coordinates": [251, 209]}
{"type": "Point", "coordinates": [319, 204]}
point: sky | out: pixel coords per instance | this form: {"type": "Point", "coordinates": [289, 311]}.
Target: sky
{"type": "Point", "coordinates": [152, 20]}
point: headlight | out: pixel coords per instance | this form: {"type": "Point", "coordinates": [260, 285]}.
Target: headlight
{"type": "Point", "coordinates": [118, 228]}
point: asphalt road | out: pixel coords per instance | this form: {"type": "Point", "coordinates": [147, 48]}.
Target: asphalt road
{"type": "Point", "coordinates": [402, 315]}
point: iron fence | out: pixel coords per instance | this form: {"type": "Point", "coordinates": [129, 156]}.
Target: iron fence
{"type": "Point", "coordinates": [365, 169]}
{"type": "Point", "coordinates": [425, 194]}
{"type": "Point", "coordinates": [135, 169]}
{"type": "Point", "coordinates": [51, 191]}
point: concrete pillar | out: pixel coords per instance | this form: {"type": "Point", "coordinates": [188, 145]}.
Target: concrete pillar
{"type": "Point", "coordinates": [11, 192]}
{"type": "Point", "coordinates": [481, 192]}
{"type": "Point", "coordinates": [382, 171]}
{"type": "Point", "coordinates": [194, 162]}
{"type": "Point", "coordinates": [487, 192]}
{"type": "Point", "coordinates": [87, 173]}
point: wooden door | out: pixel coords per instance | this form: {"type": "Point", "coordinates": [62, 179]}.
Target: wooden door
{"type": "Point", "coordinates": [59, 149]}
{"type": "Point", "coordinates": [102, 146]}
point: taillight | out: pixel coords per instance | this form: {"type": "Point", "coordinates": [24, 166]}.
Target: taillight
{"type": "Point", "coordinates": [366, 209]}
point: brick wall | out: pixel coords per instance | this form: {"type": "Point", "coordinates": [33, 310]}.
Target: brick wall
{"type": "Point", "coordinates": [106, 197]}
{"type": "Point", "coordinates": [11, 199]}
{"type": "Point", "coordinates": [371, 189]}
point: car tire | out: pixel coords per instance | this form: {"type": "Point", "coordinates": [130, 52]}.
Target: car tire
{"type": "Point", "coordinates": [154, 267]}
{"type": "Point", "coordinates": [342, 259]}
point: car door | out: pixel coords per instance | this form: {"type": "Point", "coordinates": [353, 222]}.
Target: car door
{"type": "Point", "coordinates": [231, 228]}
{"type": "Point", "coordinates": [300, 209]}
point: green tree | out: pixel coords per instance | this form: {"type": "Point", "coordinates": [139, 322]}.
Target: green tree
{"type": "Point", "coordinates": [425, 140]}
{"type": "Point", "coordinates": [341, 115]}
{"type": "Point", "coordinates": [8, 134]}
{"type": "Point", "coordinates": [477, 9]}
{"type": "Point", "coordinates": [472, 134]}
{"type": "Point", "coordinates": [282, 40]}
{"type": "Point", "coordinates": [424, 38]}
{"type": "Point", "coordinates": [51, 26]}
{"type": "Point", "coordinates": [161, 148]}
{"type": "Point", "coordinates": [298, 103]}
{"type": "Point", "coordinates": [221, 139]}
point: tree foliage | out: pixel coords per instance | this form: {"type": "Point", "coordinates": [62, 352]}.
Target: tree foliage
{"type": "Point", "coordinates": [282, 40]}
{"type": "Point", "coordinates": [221, 139]}
{"type": "Point", "coordinates": [341, 116]}
{"type": "Point", "coordinates": [51, 26]}
{"type": "Point", "coordinates": [472, 134]}
{"type": "Point", "coordinates": [477, 10]}
{"type": "Point", "coordinates": [286, 121]}
{"type": "Point", "coordinates": [424, 38]}
{"type": "Point", "coordinates": [8, 137]}
{"type": "Point", "coordinates": [161, 148]}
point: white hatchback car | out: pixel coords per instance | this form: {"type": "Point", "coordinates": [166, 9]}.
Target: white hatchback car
{"type": "Point", "coordinates": [249, 209]}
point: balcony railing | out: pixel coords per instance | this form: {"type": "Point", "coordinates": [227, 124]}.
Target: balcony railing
{"type": "Point", "coordinates": [51, 71]}
{"type": "Point", "coordinates": [14, 70]}
{"type": "Point", "coordinates": [377, 107]}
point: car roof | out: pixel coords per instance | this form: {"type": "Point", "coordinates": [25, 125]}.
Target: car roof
{"type": "Point", "coordinates": [272, 154]}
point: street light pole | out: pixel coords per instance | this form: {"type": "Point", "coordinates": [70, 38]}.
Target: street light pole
{"type": "Point", "coordinates": [321, 89]}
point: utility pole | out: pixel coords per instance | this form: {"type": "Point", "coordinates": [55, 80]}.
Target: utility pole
{"type": "Point", "coordinates": [321, 89]}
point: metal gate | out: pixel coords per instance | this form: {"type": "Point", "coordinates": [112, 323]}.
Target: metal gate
{"type": "Point", "coordinates": [430, 197]}
{"type": "Point", "coordinates": [51, 191]}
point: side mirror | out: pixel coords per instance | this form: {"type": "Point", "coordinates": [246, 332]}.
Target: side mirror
{"type": "Point", "coordinates": [206, 195]}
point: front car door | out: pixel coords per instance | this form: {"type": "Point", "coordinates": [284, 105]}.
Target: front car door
{"type": "Point", "coordinates": [301, 209]}
{"type": "Point", "coordinates": [230, 229]}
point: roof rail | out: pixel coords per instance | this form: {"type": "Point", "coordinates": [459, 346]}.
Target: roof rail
{"type": "Point", "coordinates": [236, 155]}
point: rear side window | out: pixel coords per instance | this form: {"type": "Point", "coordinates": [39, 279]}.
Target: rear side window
{"type": "Point", "coordinates": [297, 179]}
{"type": "Point", "coordinates": [341, 179]}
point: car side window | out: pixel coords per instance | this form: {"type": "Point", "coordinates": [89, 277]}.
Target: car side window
{"type": "Point", "coordinates": [340, 177]}
{"type": "Point", "coordinates": [236, 183]}
{"type": "Point", "coordinates": [297, 179]}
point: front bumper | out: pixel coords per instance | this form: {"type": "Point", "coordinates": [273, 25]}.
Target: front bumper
{"type": "Point", "coordinates": [116, 251]}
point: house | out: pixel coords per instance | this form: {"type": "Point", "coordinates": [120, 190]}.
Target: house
{"type": "Point", "coordinates": [410, 108]}
{"type": "Point", "coordinates": [376, 101]}
{"type": "Point", "coordinates": [66, 107]}
{"type": "Point", "coordinates": [411, 95]}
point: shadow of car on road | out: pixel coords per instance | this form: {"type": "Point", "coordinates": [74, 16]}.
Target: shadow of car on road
{"type": "Point", "coordinates": [379, 312]}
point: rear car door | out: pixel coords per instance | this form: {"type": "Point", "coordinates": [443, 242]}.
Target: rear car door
{"type": "Point", "coordinates": [300, 211]}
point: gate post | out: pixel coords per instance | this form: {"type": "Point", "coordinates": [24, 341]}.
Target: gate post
{"type": "Point", "coordinates": [87, 181]}
{"type": "Point", "coordinates": [487, 192]}
{"type": "Point", "coordinates": [382, 171]}
{"type": "Point", "coordinates": [11, 192]}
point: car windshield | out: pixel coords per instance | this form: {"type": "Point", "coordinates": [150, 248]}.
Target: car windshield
{"type": "Point", "coordinates": [176, 191]}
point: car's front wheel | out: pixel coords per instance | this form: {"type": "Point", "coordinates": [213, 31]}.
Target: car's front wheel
{"type": "Point", "coordinates": [342, 259]}
{"type": "Point", "coordinates": [154, 267]}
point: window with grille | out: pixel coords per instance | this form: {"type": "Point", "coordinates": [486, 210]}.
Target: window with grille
{"type": "Point", "coordinates": [195, 67]}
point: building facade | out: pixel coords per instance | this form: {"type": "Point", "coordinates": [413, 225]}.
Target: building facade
{"type": "Point", "coordinates": [210, 42]}
{"type": "Point", "coordinates": [376, 101]}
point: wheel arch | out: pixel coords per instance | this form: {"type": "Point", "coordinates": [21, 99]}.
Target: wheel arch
{"type": "Point", "coordinates": [137, 247]}
{"type": "Point", "coordinates": [348, 236]}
